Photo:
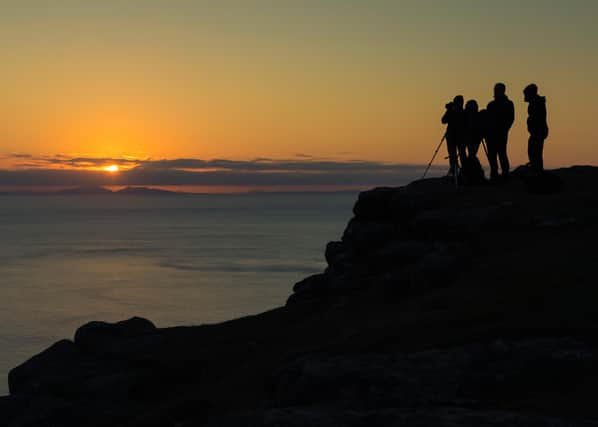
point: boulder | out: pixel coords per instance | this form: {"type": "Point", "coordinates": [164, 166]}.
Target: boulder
{"type": "Point", "coordinates": [542, 183]}
{"type": "Point", "coordinates": [435, 269]}
{"type": "Point", "coordinates": [374, 204]}
{"type": "Point", "coordinates": [120, 338]}
{"type": "Point", "coordinates": [10, 407]}
{"type": "Point", "coordinates": [472, 374]}
{"type": "Point", "coordinates": [338, 253]}
{"type": "Point", "coordinates": [50, 370]}
{"type": "Point", "coordinates": [402, 252]}
{"type": "Point", "coordinates": [310, 288]}
{"type": "Point", "coordinates": [454, 220]}
{"type": "Point", "coordinates": [363, 235]}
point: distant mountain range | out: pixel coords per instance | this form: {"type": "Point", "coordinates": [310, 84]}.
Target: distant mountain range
{"type": "Point", "coordinates": [146, 191]}
{"type": "Point", "coordinates": [95, 190]}
{"type": "Point", "coordinates": [143, 191]}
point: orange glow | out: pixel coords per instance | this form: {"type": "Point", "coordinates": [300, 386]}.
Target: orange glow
{"type": "Point", "coordinates": [112, 168]}
{"type": "Point", "coordinates": [366, 82]}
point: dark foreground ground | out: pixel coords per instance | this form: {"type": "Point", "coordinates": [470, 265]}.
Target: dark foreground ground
{"type": "Point", "coordinates": [439, 308]}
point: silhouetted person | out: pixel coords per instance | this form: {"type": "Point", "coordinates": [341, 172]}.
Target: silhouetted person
{"type": "Point", "coordinates": [474, 127]}
{"type": "Point", "coordinates": [536, 125]}
{"type": "Point", "coordinates": [501, 115]}
{"type": "Point", "coordinates": [454, 118]}
{"type": "Point", "coordinates": [471, 168]}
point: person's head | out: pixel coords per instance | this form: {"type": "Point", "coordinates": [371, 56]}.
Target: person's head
{"type": "Point", "coordinates": [458, 101]}
{"type": "Point", "coordinates": [471, 106]}
{"type": "Point", "coordinates": [530, 92]}
{"type": "Point", "coordinates": [499, 90]}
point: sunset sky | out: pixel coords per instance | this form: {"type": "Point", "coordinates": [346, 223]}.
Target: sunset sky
{"type": "Point", "coordinates": [152, 84]}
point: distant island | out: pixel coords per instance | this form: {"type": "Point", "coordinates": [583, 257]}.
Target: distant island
{"type": "Point", "coordinates": [146, 191]}
{"type": "Point", "coordinates": [133, 190]}
{"type": "Point", "coordinates": [83, 190]}
{"type": "Point", "coordinates": [98, 190]}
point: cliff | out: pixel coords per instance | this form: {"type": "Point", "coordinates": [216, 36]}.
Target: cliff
{"type": "Point", "coordinates": [439, 306]}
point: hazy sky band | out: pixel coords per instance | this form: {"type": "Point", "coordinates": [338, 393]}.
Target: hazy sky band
{"type": "Point", "coordinates": [219, 172]}
{"type": "Point", "coordinates": [247, 79]}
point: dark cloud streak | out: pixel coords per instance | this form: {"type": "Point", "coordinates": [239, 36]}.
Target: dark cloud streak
{"type": "Point", "coordinates": [216, 172]}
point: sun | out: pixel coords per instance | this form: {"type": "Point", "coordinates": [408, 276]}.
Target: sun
{"type": "Point", "coordinates": [111, 168]}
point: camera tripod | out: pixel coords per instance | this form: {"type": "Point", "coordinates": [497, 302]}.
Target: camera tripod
{"type": "Point", "coordinates": [454, 168]}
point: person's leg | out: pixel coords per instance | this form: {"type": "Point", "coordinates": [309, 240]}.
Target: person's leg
{"type": "Point", "coordinates": [462, 155]}
{"type": "Point", "coordinates": [541, 154]}
{"type": "Point", "coordinates": [535, 147]}
{"type": "Point", "coordinates": [492, 158]}
{"type": "Point", "coordinates": [531, 151]}
{"type": "Point", "coordinates": [473, 148]}
{"type": "Point", "coordinates": [502, 154]}
{"type": "Point", "coordinates": [470, 149]}
{"type": "Point", "coordinates": [452, 155]}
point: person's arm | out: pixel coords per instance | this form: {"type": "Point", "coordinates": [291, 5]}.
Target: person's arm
{"type": "Point", "coordinates": [511, 114]}
{"type": "Point", "coordinates": [446, 117]}
{"type": "Point", "coordinates": [542, 112]}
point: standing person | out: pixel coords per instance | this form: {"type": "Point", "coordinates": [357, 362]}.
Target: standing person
{"type": "Point", "coordinates": [474, 127]}
{"type": "Point", "coordinates": [501, 115]}
{"type": "Point", "coordinates": [536, 126]}
{"type": "Point", "coordinates": [454, 118]}
{"type": "Point", "coordinates": [471, 167]}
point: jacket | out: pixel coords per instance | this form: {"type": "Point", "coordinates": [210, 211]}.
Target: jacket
{"type": "Point", "coordinates": [536, 120]}
{"type": "Point", "coordinates": [455, 129]}
{"type": "Point", "coordinates": [500, 115]}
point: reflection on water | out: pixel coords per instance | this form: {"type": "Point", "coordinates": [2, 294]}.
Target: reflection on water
{"type": "Point", "coordinates": [65, 260]}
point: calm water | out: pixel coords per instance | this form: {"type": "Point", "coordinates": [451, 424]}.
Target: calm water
{"type": "Point", "coordinates": [66, 260]}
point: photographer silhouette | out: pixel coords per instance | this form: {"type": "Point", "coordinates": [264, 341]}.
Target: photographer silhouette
{"type": "Point", "coordinates": [454, 118]}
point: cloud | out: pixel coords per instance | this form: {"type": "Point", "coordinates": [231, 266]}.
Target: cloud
{"type": "Point", "coordinates": [75, 171]}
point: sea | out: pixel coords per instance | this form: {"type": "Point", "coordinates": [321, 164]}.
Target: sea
{"type": "Point", "coordinates": [175, 259]}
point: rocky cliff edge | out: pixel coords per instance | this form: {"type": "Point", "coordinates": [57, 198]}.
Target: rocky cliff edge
{"type": "Point", "coordinates": [439, 307]}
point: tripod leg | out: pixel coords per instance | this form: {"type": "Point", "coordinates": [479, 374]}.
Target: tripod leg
{"type": "Point", "coordinates": [434, 156]}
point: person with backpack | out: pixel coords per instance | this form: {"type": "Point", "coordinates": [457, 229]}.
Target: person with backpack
{"type": "Point", "coordinates": [501, 115]}
{"type": "Point", "coordinates": [474, 127]}
{"type": "Point", "coordinates": [536, 126]}
{"type": "Point", "coordinates": [473, 135]}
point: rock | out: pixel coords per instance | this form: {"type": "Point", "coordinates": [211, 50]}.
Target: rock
{"type": "Point", "coordinates": [48, 370]}
{"type": "Point", "coordinates": [553, 221]}
{"type": "Point", "coordinates": [443, 221]}
{"type": "Point", "coordinates": [463, 375]}
{"type": "Point", "coordinates": [65, 369]}
{"type": "Point", "coordinates": [338, 254]}
{"type": "Point", "coordinates": [374, 204]}
{"type": "Point", "coordinates": [435, 269]}
{"type": "Point", "coordinates": [314, 283]}
{"type": "Point", "coordinates": [363, 235]}
{"type": "Point", "coordinates": [120, 338]}
{"type": "Point", "coordinates": [368, 342]}
{"type": "Point", "coordinates": [132, 327]}
{"type": "Point", "coordinates": [318, 416]}
{"type": "Point", "coordinates": [544, 183]}
{"type": "Point", "coordinates": [402, 252]}
{"type": "Point", "coordinates": [310, 288]}
{"type": "Point", "coordinates": [10, 408]}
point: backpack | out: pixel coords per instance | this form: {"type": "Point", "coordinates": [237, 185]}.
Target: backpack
{"type": "Point", "coordinates": [472, 172]}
